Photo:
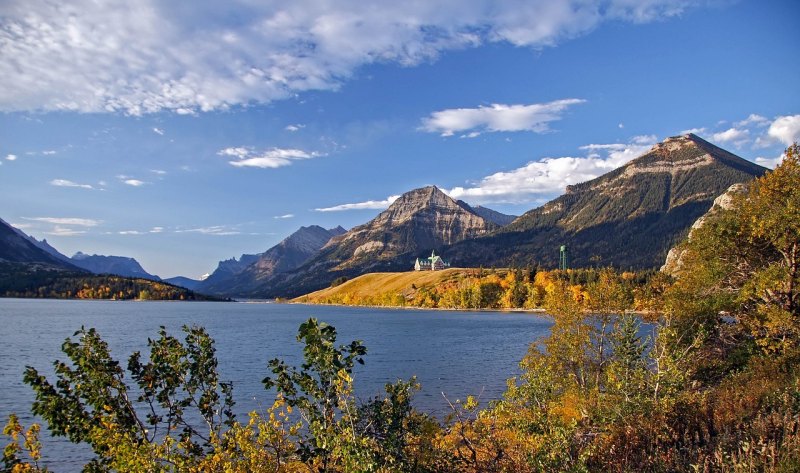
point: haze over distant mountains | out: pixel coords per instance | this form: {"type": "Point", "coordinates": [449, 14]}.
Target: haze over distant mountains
{"type": "Point", "coordinates": [627, 218]}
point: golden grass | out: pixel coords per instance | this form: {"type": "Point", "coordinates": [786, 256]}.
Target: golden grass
{"type": "Point", "coordinates": [372, 284]}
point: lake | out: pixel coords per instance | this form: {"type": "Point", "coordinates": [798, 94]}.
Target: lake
{"type": "Point", "coordinates": [455, 353]}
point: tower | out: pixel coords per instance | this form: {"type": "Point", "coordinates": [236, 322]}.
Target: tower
{"type": "Point", "coordinates": [563, 263]}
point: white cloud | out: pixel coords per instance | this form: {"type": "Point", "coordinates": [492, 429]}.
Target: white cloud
{"type": "Point", "coordinates": [11, 157]}
{"type": "Point", "coordinates": [737, 136]}
{"type": "Point", "coordinates": [134, 182]}
{"type": "Point", "coordinates": [64, 231]}
{"type": "Point", "coordinates": [156, 230]}
{"type": "Point", "coordinates": [785, 129]}
{"type": "Point", "coordinates": [770, 162]}
{"type": "Point", "coordinates": [148, 56]}
{"type": "Point", "coordinates": [695, 131]}
{"type": "Point", "coordinates": [48, 152]}
{"type": "Point", "coordinates": [283, 216]}
{"type": "Point", "coordinates": [131, 232]}
{"type": "Point", "coordinates": [68, 183]}
{"type": "Point", "coordinates": [216, 230]}
{"type": "Point", "coordinates": [80, 222]}
{"type": "Point", "coordinates": [550, 176]}
{"type": "Point", "coordinates": [753, 119]}
{"type": "Point", "coordinates": [159, 172]}
{"type": "Point", "coordinates": [271, 158]}
{"type": "Point", "coordinates": [293, 128]}
{"type": "Point", "coordinates": [370, 204]}
{"type": "Point", "coordinates": [158, 131]}
{"type": "Point", "coordinates": [497, 117]}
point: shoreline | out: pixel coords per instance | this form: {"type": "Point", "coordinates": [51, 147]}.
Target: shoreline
{"type": "Point", "coordinates": [514, 310]}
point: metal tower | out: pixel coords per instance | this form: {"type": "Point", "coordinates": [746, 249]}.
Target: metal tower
{"type": "Point", "coordinates": [563, 263]}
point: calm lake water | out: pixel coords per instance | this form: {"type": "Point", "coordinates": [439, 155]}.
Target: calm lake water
{"type": "Point", "coordinates": [455, 353]}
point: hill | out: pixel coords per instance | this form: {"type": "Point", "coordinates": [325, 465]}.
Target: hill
{"type": "Point", "coordinates": [417, 222]}
{"type": "Point", "coordinates": [628, 218]}
{"type": "Point", "coordinates": [370, 284]}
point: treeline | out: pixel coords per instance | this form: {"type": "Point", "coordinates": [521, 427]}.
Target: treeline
{"type": "Point", "coordinates": [508, 289]}
{"type": "Point", "coordinates": [715, 388]}
{"type": "Point", "coordinates": [17, 281]}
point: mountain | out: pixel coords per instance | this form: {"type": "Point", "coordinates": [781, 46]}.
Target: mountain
{"type": "Point", "coordinates": [497, 218]}
{"type": "Point", "coordinates": [17, 247]}
{"type": "Point", "coordinates": [183, 281]}
{"type": "Point", "coordinates": [629, 217]}
{"type": "Point", "coordinates": [118, 265]}
{"type": "Point", "coordinates": [417, 222]}
{"type": "Point", "coordinates": [242, 276]}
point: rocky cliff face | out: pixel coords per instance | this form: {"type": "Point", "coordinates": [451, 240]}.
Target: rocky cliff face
{"type": "Point", "coordinates": [118, 265]}
{"type": "Point", "coordinates": [417, 222]}
{"type": "Point", "coordinates": [240, 277]}
{"type": "Point", "coordinates": [676, 255]}
{"type": "Point", "coordinates": [629, 217]}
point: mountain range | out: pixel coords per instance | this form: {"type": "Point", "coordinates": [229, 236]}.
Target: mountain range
{"type": "Point", "coordinates": [627, 218]}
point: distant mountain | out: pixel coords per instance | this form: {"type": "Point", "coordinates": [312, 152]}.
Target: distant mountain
{"type": "Point", "coordinates": [17, 247]}
{"type": "Point", "coordinates": [242, 276]}
{"type": "Point", "coordinates": [629, 217]}
{"type": "Point", "coordinates": [417, 222]}
{"type": "Point", "coordinates": [118, 265]}
{"type": "Point", "coordinates": [182, 281]}
{"type": "Point", "coordinates": [494, 216]}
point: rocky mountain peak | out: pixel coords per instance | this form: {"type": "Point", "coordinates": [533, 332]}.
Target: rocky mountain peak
{"type": "Point", "coordinates": [424, 199]}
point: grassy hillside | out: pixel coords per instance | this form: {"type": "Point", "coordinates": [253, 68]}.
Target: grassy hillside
{"type": "Point", "coordinates": [369, 285]}
{"type": "Point", "coordinates": [475, 288]}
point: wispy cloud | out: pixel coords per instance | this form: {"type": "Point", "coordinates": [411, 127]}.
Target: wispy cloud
{"type": "Point", "coordinates": [64, 231]}
{"type": "Point", "coordinates": [550, 176]}
{"type": "Point", "coordinates": [284, 216]}
{"type": "Point", "coordinates": [80, 222]}
{"type": "Point", "coordinates": [68, 183]}
{"type": "Point", "coordinates": [697, 131]}
{"type": "Point", "coordinates": [131, 232]}
{"type": "Point", "coordinates": [497, 117]}
{"type": "Point", "coordinates": [158, 131]}
{"type": "Point", "coordinates": [271, 158]}
{"type": "Point", "coordinates": [753, 119]}
{"type": "Point", "coordinates": [130, 181]}
{"type": "Point", "coordinates": [154, 56]}
{"type": "Point", "coordinates": [156, 230]}
{"type": "Point", "coordinates": [216, 230]}
{"type": "Point", "coordinates": [370, 204]}
{"type": "Point", "coordinates": [296, 127]}
{"type": "Point", "coordinates": [11, 157]}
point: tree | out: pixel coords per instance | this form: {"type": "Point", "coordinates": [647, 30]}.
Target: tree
{"type": "Point", "coordinates": [91, 402]}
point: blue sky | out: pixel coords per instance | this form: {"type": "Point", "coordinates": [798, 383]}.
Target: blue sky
{"type": "Point", "coordinates": [182, 135]}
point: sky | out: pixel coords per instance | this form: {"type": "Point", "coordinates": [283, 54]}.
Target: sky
{"type": "Point", "coordinates": [184, 133]}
